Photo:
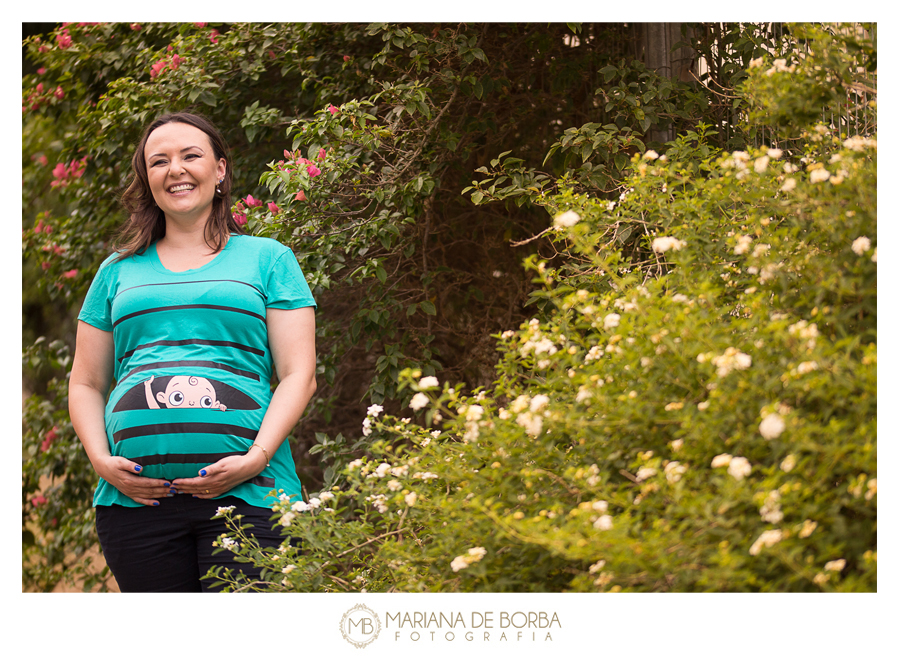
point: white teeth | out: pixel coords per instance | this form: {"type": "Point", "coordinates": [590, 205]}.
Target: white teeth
{"type": "Point", "coordinates": [181, 188]}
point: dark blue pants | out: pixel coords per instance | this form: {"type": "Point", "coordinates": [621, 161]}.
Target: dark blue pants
{"type": "Point", "coordinates": [168, 548]}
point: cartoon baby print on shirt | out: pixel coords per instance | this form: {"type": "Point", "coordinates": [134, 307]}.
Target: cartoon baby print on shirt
{"type": "Point", "coordinates": [185, 392]}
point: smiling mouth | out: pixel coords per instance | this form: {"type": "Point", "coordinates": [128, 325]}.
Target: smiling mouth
{"type": "Point", "coordinates": [184, 187]}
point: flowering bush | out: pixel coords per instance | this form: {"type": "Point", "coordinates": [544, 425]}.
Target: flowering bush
{"type": "Point", "coordinates": [696, 415]}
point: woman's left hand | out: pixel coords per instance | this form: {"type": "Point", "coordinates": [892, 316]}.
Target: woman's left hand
{"type": "Point", "coordinates": [222, 476]}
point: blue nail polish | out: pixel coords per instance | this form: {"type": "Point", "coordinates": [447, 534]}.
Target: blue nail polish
{"type": "Point", "coordinates": [166, 484]}
{"type": "Point", "coordinates": [155, 503]}
{"type": "Point", "coordinates": [137, 468]}
{"type": "Point", "coordinates": [172, 491]}
{"type": "Point", "coordinates": [203, 472]}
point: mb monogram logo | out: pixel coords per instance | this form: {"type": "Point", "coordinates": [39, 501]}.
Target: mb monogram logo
{"type": "Point", "coordinates": [360, 626]}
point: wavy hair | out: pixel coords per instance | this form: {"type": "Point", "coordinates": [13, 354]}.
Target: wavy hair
{"type": "Point", "coordinates": [146, 221]}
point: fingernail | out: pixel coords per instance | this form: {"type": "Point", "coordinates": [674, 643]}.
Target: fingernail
{"type": "Point", "coordinates": [202, 471]}
{"type": "Point", "coordinates": [166, 484]}
{"type": "Point", "coordinates": [137, 468]}
{"type": "Point", "coordinates": [172, 491]}
{"type": "Point", "coordinates": [170, 495]}
{"type": "Point", "coordinates": [155, 503]}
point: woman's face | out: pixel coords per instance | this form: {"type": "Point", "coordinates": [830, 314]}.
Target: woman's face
{"type": "Point", "coordinates": [183, 171]}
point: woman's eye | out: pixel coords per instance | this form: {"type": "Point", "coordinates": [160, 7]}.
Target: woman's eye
{"type": "Point", "coordinates": [176, 398]}
{"type": "Point", "coordinates": [206, 402]}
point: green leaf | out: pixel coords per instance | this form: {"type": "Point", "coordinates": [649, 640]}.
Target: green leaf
{"type": "Point", "coordinates": [428, 307]}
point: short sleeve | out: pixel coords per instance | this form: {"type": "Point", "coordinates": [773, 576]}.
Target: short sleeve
{"type": "Point", "coordinates": [97, 307]}
{"type": "Point", "coordinates": [286, 287]}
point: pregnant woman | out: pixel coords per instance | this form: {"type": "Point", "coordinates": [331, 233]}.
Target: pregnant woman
{"type": "Point", "coordinates": [188, 317]}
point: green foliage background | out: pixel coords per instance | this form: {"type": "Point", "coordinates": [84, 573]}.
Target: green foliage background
{"type": "Point", "coordinates": [444, 152]}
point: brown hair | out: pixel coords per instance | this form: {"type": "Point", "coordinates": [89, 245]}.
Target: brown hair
{"type": "Point", "coordinates": [146, 222]}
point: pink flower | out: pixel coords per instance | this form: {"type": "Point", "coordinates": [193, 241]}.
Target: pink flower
{"type": "Point", "coordinates": [43, 48]}
{"type": "Point", "coordinates": [346, 58]}
{"type": "Point", "coordinates": [170, 48]}
{"type": "Point", "coordinates": [48, 229]}
{"type": "Point", "coordinates": [38, 500]}
{"type": "Point", "coordinates": [176, 60]}
{"type": "Point", "coordinates": [45, 265]}
{"type": "Point", "coordinates": [214, 36]}
{"type": "Point", "coordinates": [59, 93]}
{"type": "Point", "coordinates": [313, 170]}
{"type": "Point", "coordinates": [63, 40]}
{"type": "Point", "coordinates": [321, 154]}
{"type": "Point", "coordinates": [333, 109]}
{"type": "Point", "coordinates": [239, 218]}
{"type": "Point", "coordinates": [41, 71]}
{"type": "Point", "coordinates": [50, 436]}
{"type": "Point", "coordinates": [71, 274]}
{"type": "Point", "coordinates": [42, 159]}
{"type": "Point", "coordinates": [200, 24]}
{"type": "Point", "coordinates": [61, 172]}
{"type": "Point", "coordinates": [39, 226]}
{"type": "Point", "coordinates": [76, 167]}
{"type": "Point", "coordinates": [273, 208]}
{"type": "Point", "coordinates": [40, 87]}
{"type": "Point", "coordinates": [157, 68]}
{"type": "Point", "coordinates": [288, 155]}
{"type": "Point", "coordinates": [251, 202]}
{"type": "Point", "coordinates": [300, 196]}
{"type": "Point", "coordinates": [135, 26]}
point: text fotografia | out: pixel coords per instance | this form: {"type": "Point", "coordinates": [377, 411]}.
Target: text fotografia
{"type": "Point", "coordinates": [481, 626]}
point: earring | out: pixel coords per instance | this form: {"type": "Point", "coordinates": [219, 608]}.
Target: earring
{"type": "Point", "coordinates": [221, 180]}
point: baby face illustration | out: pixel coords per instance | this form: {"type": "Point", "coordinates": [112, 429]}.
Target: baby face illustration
{"type": "Point", "coordinates": [185, 392]}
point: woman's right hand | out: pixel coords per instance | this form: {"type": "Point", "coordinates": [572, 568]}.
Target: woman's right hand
{"type": "Point", "coordinates": [125, 475]}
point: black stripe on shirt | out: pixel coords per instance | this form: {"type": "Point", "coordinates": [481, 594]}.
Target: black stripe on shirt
{"type": "Point", "coordinates": [192, 364]}
{"type": "Point", "coordinates": [202, 458]}
{"type": "Point", "coordinates": [193, 341]}
{"type": "Point", "coordinates": [184, 428]}
{"type": "Point", "coordinates": [182, 307]}
{"type": "Point", "coordinates": [180, 283]}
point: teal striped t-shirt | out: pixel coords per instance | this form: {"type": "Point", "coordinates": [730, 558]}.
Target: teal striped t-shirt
{"type": "Point", "coordinates": [192, 360]}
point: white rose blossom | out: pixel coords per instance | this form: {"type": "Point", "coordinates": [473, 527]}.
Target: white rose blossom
{"type": "Point", "coordinates": [566, 219]}
{"type": "Point", "coordinates": [789, 184]}
{"type": "Point", "coordinates": [605, 522]}
{"type": "Point", "coordinates": [644, 473]}
{"type": "Point", "coordinates": [419, 401]}
{"type": "Point", "coordinates": [739, 468]}
{"type": "Point", "coordinates": [429, 382]}
{"type": "Point", "coordinates": [767, 538]}
{"type": "Point", "coordinates": [771, 426]}
{"type": "Point", "coordinates": [819, 176]}
{"type": "Point", "coordinates": [861, 245]}
{"type": "Point", "coordinates": [663, 244]}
